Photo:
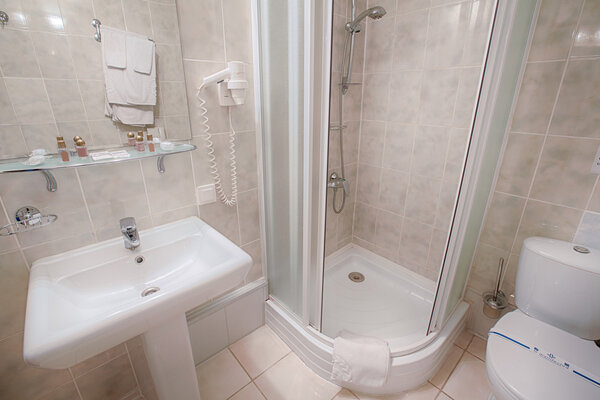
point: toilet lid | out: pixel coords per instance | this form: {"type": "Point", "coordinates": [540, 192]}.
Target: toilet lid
{"type": "Point", "coordinates": [529, 359]}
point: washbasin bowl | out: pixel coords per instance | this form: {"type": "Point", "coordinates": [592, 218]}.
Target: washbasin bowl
{"type": "Point", "coordinates": [88, 300]}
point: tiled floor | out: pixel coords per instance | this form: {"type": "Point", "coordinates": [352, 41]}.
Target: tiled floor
{"type": "Point", "coordinates": [260, 366]}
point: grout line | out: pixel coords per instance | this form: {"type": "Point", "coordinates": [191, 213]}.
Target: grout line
{"type": "Point", "coordinates": [141, 167]}
{"type": "Point", "coordinates": [87, 208]}
{"type": "Point", "coordinates": [137, 381]}
{"type": "Point", "coordinates": [75, 383]}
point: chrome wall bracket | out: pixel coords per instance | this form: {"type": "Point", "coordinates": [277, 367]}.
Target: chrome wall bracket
{"type": "Point", "coordinates": [3, 18]}
{"type": "Point", "coordinates": [51, 184]}
{"type": "Point", "coordinates": [160, 163]}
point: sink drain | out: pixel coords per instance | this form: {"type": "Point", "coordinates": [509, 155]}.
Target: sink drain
{"type": "Point", "coordinates": [139, 259]}
{"type": "Point", "coordinates": [356, 277]}
{"type": "Point", "coordinates": [149, 291]}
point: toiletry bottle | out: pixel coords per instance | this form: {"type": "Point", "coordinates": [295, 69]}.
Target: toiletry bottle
{"type": "Point", "coordinates": [150, 143]}
{"type": "Point", "coordinates": [75, 139]}
{"type": "Point", "coordinates": [62, 150]}
{"type": "Point", "coordinates": [82, 150]}
{"type": "Point", "coordinates": [139, 145]}
{"type": "Point", "coordinates": [131, 139]}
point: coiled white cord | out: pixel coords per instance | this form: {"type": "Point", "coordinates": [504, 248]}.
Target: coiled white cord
{"type": "Point", "coordinates": [212, 160]}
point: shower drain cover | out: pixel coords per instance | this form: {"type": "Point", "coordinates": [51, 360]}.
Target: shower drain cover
{"type": "Point", "coordinates": [356, 277]}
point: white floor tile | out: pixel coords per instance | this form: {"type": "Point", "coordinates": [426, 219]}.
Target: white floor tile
{"type": "Point", "coordinates": [249, 392]}
{"type": "Point", "coordinates": [220, 376]}
{"type": "Point", "coordinates": [469, 380]}
{"type": "Point", "coordinates": [477, 347]}
{"type": "Point", "coordinates": [445, 370]}
{"type": "Point", "coordinates": [290, 379]}
{"type": "Point", "coordinates": [424, 392]}
{"type": "Point", "coordinates": [463, 339]}
{"type": "Point", "coordinates": [443, 396]}
{"type": "Point", "coordinates": [259, 350]}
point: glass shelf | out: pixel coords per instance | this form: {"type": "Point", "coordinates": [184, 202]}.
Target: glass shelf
{"type": "Point", "coordinates": [55, 162]}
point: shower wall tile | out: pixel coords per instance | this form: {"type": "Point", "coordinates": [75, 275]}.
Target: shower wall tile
{"type": "Point", "coordinates": [410, 40]}
{"type": "Point", "coordinates": [52, 83]}
{"type": "Point", "coordinates": [422, 69]}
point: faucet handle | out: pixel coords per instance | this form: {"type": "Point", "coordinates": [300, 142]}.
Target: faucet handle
{"type": "Point", "coordinates": [127, 224]}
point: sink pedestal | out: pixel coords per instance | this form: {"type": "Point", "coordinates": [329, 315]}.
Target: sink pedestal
{"type": "Point", "coordinates": [169, 354]}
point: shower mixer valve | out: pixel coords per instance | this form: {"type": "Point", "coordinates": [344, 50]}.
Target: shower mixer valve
{"type": "Point", "coordinates": [335, 182]}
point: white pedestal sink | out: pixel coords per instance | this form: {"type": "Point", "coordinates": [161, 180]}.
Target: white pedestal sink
{"type": "Point", "coordinates": [85, 301]}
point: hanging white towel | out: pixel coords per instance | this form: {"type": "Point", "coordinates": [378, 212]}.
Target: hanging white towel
{"type": "Point", "coordinates": [114, 47]}
{"type": "Point", "coordinates": [130, 95]}
{"type": "Point", "coordinates": [360, 360]}
{"type": "Point", "coordinates": [140, 88]}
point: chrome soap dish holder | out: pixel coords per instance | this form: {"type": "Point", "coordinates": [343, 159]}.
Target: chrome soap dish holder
{"type": "Point", "coordinates": [28, 218]}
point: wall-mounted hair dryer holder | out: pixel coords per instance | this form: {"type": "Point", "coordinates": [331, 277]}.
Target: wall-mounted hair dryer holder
{"type": "Point", "coordinates": [231, 83]}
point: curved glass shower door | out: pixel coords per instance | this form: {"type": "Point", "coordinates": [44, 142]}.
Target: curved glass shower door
{"type": "Point", "coordinates": [281, 60]}
{"type": "Point", "coordinates": [400, 127]}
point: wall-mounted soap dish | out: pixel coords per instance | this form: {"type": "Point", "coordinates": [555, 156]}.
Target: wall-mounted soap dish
{"type": "Point", "coordinates": [28, 218]}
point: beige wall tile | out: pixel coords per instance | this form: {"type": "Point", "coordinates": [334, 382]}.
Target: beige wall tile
{"type": "Point", "coordinates": [222, 218]}
{"type": "Point", "coordinates": [137, 17]}
{"type": "Point", "coordinates": [409, 40]}
{"type": "Point", "coordinates": [421, 198]}
{"type": "Point", "coordinates": [248, 216]}
{"type": "Point", "coordinates": [76, 15]}
{"type": "Point", "coordinates": [7, 114]}
{"type": "Point", "coordinates": [201, 20]}
{"type": "Point", "coordinates": [414, 242]}
{"type": "Point", "coordinates": [429, 151]}
{"type": "Point", "coordinates": [438, 96]}
{"type": "Point", "coordinates": [97, 360]}
{"type": "Point", "coordinates": [42, 15]}
{"type": "Point", "coordinates": [13, 286]}
{"type": "Point", "coordinates": [574, 114]}
{"type": "Point", "coordinates": [375, 97]}
{"type": "Point", "coordinates": [372, 137]}
{"type": "Point", "coordinates": [112, 380]}
{"type": "Point", "coordinates": [446, 35]}
{"type": "Point", "coordinates": [18, 55]}
{"type": "Point", "coordinates": [87, 57]}
{"type": "Point", "coordinates": [365, 222]}
{"type": "Point", "coordinates": [554, 30]}
{"type": "Point", "coordinates": [18, 381]}
{"type": "Point", "coordinates": [29, 100]}
{"type": "Point", "coordinates": [547, 220]}
{"type": "Point", "coordinates": [12, 140]}
{"type": "Point", "coordinates": [502, 220]}
{"type": "Point", "coordinates": [404, 87]}
{"type": "Point", "coordinates": [586, 42]}
{"type": "Point", "coordinates": [65, 100]}
{"type": "Point", "coordinates": [238, 30]}
{"type": "Point", "coordinates": [110, 12]}
{"type": "Point", "coordinates": [380, 43]}
{"type": "Point", "coordinates": [254, 249]}
{"type": "Point", "coordinates": [53, 55]}
{"type": "Point", "coordinates": [392, 195]}
{"type": "Point", "coordinates": [177, 178]}
{"type": "Point", "coordinates": [536, 96]}
{"type": "Point", "coordinates": [164, 23]}
{"type": "Point", "coordinates": [565, 160]}
{"type": "Point", "coordinates": [368, 184]}
{"type": "Point", "coordinates": [387, 230]}
{"type": "Point", "coordinates": [485, 267]}
{"type": "Point", "coordinates": [518, 163]}
{"type": "Point", "coordinates": [68, 391]}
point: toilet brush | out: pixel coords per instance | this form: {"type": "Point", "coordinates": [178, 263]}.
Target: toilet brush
{"type": "Point", "coordinates": [494, 302]}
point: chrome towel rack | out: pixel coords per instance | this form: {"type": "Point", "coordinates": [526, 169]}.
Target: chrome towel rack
{"type": "Point", "coordinates": [98, 36]}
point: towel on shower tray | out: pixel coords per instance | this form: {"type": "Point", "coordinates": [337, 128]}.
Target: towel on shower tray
{"type": "Point", "coordinates": [360, 360]}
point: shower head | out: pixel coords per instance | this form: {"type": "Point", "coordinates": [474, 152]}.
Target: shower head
{"type": "Point", "coordinates": [373, 13]}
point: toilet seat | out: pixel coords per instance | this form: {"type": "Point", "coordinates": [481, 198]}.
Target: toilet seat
{"type": "Point", "coordinates": [563, 366]}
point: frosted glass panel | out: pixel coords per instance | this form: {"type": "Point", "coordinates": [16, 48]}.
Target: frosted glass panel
{"type": "Point", "coordinates": [281, 44]}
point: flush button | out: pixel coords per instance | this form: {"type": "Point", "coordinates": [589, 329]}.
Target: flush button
{"type": "Point", "coordinates": [581, 249]}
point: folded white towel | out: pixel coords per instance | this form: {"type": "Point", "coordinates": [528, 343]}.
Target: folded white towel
{"type": "Point", "coordinates": [143, 56]}
{"type": "Point", "coordinates": [130, 115]}
{"type": "Point", "coordinates": [114, 47]}
{"type": "Point", "coordinates": [360, 360]}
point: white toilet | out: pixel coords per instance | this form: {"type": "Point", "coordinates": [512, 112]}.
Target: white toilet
{"type": "Point", "coordinates": [545, 349]}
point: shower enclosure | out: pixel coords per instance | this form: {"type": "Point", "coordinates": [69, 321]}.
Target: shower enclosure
{"type": "Point", "coordinates": [378, 149]}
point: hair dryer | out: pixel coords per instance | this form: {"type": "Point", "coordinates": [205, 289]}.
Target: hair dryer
{"type": "Point", "coordinates": [232, 83]}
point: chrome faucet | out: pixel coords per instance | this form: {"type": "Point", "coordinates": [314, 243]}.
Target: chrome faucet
{"type": "Point", "coordinates": [130, 233]}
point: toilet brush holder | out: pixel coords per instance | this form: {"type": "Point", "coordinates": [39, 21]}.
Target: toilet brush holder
{"type": "Point", "coordinates": [494, 302]}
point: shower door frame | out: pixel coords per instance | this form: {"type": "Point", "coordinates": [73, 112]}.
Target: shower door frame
{"type": "Point", "coordinates": [315, 166]}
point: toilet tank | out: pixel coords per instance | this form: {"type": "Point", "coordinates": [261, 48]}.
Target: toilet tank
{"type": "Point", "coordinates": [560, 286]}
